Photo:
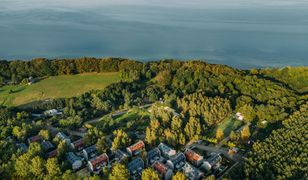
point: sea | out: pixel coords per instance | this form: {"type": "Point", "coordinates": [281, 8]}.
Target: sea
{"type": "Point", "coordinates": [238, 33]}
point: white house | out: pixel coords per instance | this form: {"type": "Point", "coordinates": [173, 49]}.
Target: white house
{"type": "Point", "coordinates": [52, 112]}
{"type": "Point", "coordinates": [166, 151]}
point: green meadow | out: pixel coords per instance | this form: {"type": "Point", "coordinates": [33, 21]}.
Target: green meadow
{"type": "Point", "coordinates": [55, 87]}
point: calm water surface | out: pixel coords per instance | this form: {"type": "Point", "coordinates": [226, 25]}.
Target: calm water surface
{"type": "Point", "coordinates": [236, 33]}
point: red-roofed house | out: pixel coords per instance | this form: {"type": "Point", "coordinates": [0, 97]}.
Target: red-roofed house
{"type": "Point", "coordinates": [36, 138]}
{"type": "Point", "coordinates": [52, 154]}
{"type": "Point", "coordinates": [78, 145]}
{"type": "Point", "coordinates": [193, 157]}
{"type": "Point", "coordinates": [163, 170]}
{"type": "Point", "coordinates": [135, 148]}
{"type": "Point", "coordinates": [98, 162]}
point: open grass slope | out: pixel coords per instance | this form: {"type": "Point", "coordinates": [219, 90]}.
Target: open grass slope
{"type": "Point", "coordinates": [55, 87]}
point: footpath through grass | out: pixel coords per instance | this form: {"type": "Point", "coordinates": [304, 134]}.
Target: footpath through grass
{"type": "Point", "coordinates": [55, 87]}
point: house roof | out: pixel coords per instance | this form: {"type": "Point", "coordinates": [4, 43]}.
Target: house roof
{"type": "Point", "coordinates": [153, 153]}
{"type": "Point", "coordinates": [52, 154]}
{"type": "Point", "coordinates": [214, 158]}
{"type": "Point", "coordinates": [35, 139]}
{"type": "Point", "coordinates": [137, 146]}
{"type": "Point", "coordinates": [166, 149]}
{"type": "Point", "coordinates": [71, 157]}
{"type": "Point", "coordinates": [46, 145]}
{"type": "Point", "coordinates": [78, 143]}
{"type": "Point", "coordinates": [90, 149]}
{"type": "Point", "coordinates": [160, 168]}
{"type": "Point", "coordinates": [192, 155]}
{"type": "Point", "coordinates": [191, 172]}
{"type": "Point", "coordinates": [119, 154]}
{"type": "Point", "coordinates": [62, 136]}
{"type": "Point", "coordinates": [103, 158]}
{"type": "Point", "coordinates": [135, 165]}
{"type": "Point", "coordinates": [179, 157]}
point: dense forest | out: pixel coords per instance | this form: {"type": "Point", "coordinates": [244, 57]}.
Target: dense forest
{"type": "Point", "coordinates": [17, 71]}
{"type": "Point", "coordinates": [203, 94]}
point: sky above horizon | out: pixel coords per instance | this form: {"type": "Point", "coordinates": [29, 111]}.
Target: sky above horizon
{"type": "Point", "coordinates": [246, 32]}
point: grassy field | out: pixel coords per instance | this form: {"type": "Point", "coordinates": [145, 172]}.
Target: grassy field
{"type": "Point", "coordinates": [228, 125]}
{"type": "Point", "coordinates": [55, 87]}
{"type": "Point", "coordinates": [134, 119]}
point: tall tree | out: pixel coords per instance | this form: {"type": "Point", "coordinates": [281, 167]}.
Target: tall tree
{"type": "Point", "coordinates": [179, 176]}
{"type": "Point", "coordinates": [44, 134]}
{"type": "Point", "coordinates": [219, 134]}
{"type": "Point", "coordinates": [121, 139]}
{"type": "Point", "coordinates": [149, 174]}
{"type": "Point", "coordinates": [245, 133]}
{"type": "Point", "coordinates": [119, 172]}
{"type": "Point", "coordinates": [193, 129]}
{"type": "Point", "coordinates": [53, 168]}
{"type": "Point", "coordinates": [37, 167]}
{"type": "Point", "coordinates": [102, 145]}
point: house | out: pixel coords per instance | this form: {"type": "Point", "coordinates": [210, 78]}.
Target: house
{"type": "Point", "coordinates": [52, 112]}
{"type": "Point", "coordinates": [166, 151]}
{"type": "Point", "coordinates": [63, 137]}
{"type": "Point", "coordinates": [239, 116]}
{"type": "Point", "coordinates": [177, 161]}
{"type": "Point", "coordinates": [135, 148]}
{"type": "Point", "coordinates": [153, 155]}
{"type": "Point", "coordinates": [31, 80]}
{"type": "Point", "coordinates": [36, 138]}
{"type": "Point", "coordinates": [212, 161]}
{"type": "Point", "coordinates": [78, 145]}
{"type": "Point", "coordinates": [193, 157]}
{"type": "Point", "coordinates": [164, 171]}
{"type": "Point", "coordinates": [90, 152]}
{"type": "Point", "coordinates": [75, 161]}
{"type": "Point", "coordinates": [135, 167]}
{"type": "Point", "coordinates": [98, 162]}
{"type": "Point", "coordinates": [22, 147]}
{"type": "Point", "coordinates": [47, 145]}
{"type": "Point", "coordinates": [52, 154]}
{"type": "Point", "coordinates": [191, 172]}
{"type": "Point", "coordinates": [119, 155]}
